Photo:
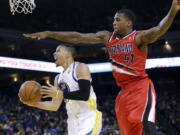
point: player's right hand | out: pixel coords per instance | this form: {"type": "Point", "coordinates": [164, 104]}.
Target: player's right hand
{"type": "Point", "coordinates": [49, 91]}
{"type": "Point", "coordinates": [176, 5]}
{"type": "Point", "coordinates": [39, 35]}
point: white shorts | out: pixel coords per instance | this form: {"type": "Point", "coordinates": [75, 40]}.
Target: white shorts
{"type": "Point", "coordinates": [86, 125]}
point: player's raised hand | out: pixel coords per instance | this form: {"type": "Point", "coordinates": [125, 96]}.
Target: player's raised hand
{"type": "Point", "coordinates": [39, 35]}
{"type": "Point", "coordinates": [176, 5]}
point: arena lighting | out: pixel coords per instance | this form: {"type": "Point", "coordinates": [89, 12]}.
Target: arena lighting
{"type": "Point", "coordinates": [15, 77]}
{"type": "Point", "coordinates": [167, 46]}
{"type": "Point", "coordinates": [24, 64]}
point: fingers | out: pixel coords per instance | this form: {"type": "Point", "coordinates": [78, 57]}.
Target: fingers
{"type": "Point", "coordinates": [33, 36]}
{"type": "Point", "coordinates": [30, 35]}
{"type": "Point", "coordinates": [20, 99]}
{"type": "Point", "coordinates": [46, 96]}
{"type": "Point", "coordinates": [45, 92]}
{"type": "Point", "coordinates": [29, 104]}
{"type": "Point", "coordinates": [26, 35]}
{"type": "Point", "coordinates": [46, 88]}
{"type": "Point", "coordinates": [26, 103]}
{"type": "Point", "coordinates": [50, 85]}
{"type": "Point", "coordinates": [48, 91]}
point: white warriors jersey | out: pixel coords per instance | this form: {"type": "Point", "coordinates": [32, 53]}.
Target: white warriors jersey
{"type": "Point", "coordinates": [83, 116]}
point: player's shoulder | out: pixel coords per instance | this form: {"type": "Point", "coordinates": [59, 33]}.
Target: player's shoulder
{"type": "Point", "coordinates": [82, 66]}
{"type": "Point", "coordinates": [82, 71]}
{"type": "Point", "coordinates": [138, 37]}
{"type": "Point", "coordinates": [140, 32]}
{"type": "Point", "coordinates": [104, 34]}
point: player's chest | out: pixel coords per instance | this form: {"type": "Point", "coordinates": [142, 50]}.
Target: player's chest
{"type": "Point", "coordinates": [121, 51]}
{"type": "Point", "coordinates": [120, 47]}
{"type": "Point", "coordinates": [68, 82]}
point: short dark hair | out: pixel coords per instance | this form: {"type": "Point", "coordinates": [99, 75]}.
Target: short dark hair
{"type": "Point", "coordinates": [128, 13]}
{"type": "Point", "coordinates": [70, 48]}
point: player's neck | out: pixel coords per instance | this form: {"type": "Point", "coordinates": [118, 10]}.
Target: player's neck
{"type": "Point", "coordinates": [123, 34]}
{"type": "Point", "coordinates": [69, 61]}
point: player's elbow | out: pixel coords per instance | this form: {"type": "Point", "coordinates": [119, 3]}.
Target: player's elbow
{"type": "Point", "coordinates": [153, 39]}
{"type": "Point", "coordinates": [86, 97]}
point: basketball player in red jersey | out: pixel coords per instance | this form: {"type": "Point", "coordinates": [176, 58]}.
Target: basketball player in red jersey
{"type": "Point", "coordinates": [135, 104]}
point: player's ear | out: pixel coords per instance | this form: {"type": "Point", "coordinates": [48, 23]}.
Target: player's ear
{"type": "Point", "coordinates": [129, 23]}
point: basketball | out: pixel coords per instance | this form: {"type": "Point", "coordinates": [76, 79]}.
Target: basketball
{"type": "Point", "coordinates": [30, 92]}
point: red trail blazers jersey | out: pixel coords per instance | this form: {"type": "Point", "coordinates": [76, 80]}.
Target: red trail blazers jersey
{"type": "Point", "coordinates": [128, 62]}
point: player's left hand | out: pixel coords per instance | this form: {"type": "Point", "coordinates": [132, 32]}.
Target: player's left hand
{"type": "Point", "coordinates": [176, 5]}
{"type": "Point", "coordinates": [49, 91]}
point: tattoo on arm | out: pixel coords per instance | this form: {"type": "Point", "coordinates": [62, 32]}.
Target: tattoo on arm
{"type": "Point", "coordinates": [151, 35]}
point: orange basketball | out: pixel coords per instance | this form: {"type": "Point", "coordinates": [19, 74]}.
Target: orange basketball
{"type": "Point", "coordinates": [30, 92]}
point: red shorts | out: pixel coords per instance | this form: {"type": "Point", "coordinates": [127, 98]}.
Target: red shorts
{"type": "Point", "coordinates": [134, 104]}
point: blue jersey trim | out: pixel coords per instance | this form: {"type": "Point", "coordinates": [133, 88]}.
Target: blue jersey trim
{"type": "Point", "coordinates": [89, 132]}
{"type": "Point", "coordinates": [73, 73]}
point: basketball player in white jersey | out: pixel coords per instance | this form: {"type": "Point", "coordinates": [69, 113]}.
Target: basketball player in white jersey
{"type": "Point", "coordinates": [74, 86]}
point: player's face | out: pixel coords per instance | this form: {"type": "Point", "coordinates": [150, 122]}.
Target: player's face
{"type": "Point", "coordinates": [121, 23]}
{"type": "Point", "coordinates": [60, 55]}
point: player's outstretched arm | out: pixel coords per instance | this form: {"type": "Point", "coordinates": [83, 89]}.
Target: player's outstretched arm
{"type": "Point", "coordinates": [72, 37]}
{"type": "Point", "coordinates": [151, 35]}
